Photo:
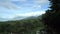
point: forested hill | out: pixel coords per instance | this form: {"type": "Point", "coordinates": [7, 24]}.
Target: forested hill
{"type": "Point", "coordinates": [28, 25]}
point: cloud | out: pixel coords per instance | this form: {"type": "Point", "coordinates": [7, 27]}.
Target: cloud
{"type": "Point", "coordinates": [19, 0]}
{"type": "Point", "coordinates": [36, 6]}
{"type": "Point", "coordinates": [41, 1]}
{"type": "Point", "coordinates": [27, 14]}
{"type": "Point", "coordinates": [37, 13]}
{"type": "Point", "coordinates": [8, 4]}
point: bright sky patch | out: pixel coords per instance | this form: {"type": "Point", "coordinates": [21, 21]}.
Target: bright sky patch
{"type": "Point", "coordinates": [13, 8]}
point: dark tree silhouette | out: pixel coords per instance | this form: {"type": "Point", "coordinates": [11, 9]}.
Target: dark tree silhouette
{"type": "Point", "coordinates": [52, 17]}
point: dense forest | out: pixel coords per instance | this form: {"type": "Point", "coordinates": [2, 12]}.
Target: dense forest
{"type": "Point", "coordinates": [24, 26]}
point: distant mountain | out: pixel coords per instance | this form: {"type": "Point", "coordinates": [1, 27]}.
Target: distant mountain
{"type": "Point", "coordinates": [18, 18]}
{"type": "Point", "coordinates": [3, 19]}
{"type": "Point", "coordinates": [31, 17]}
{"type": "Point", "coordinates": [15, 18]}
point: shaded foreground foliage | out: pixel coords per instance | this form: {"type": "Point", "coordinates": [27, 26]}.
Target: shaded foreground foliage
{"type": "Point", "coordinates": [25, 26]}
{"type": "Point", "coordinates": [52, 17]}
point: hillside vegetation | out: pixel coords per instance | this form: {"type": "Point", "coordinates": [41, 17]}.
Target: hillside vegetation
{"type": "Point", "coordinates": [25, 26]}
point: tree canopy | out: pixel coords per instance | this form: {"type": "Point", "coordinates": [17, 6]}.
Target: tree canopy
{"type": "Point", "coordinates": [52, 16]}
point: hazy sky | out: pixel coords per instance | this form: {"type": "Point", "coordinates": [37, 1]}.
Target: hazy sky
{"type": "Point", "coordinates": [13, 8]}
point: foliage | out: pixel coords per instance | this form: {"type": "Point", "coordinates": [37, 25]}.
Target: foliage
{"type": "Point", "coordinates": [25, 26]}
{"type": "Point", "coordinates": [52, 17]}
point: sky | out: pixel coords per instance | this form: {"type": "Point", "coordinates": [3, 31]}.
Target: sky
{"type": "Point", "coordinates": [12, 8]}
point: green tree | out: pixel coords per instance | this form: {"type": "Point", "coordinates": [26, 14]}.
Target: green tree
{"type": "Point", "coordinates": [52, 17]}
